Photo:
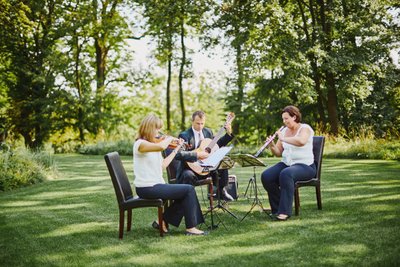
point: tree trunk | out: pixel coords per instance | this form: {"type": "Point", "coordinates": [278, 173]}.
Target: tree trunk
{"type": "Point", "coordinates": [101, 55]}
{"type": "Point", "coordinates": [325, 9]}
{"type": "Point", "coordinates": [240, 85]}
{"type": "Point", "coordinates": [181, 71]}
{"type": "Point", "coordinates": [320, 97]}
{"type": "Point", "coordinates": [169, 92]}
{"type": "Point", "coordinates": [100, 82]}
{"type": "Point", "coordinates": [311, 39]}
{"type": "Point", "coordinates": [100, 43]}
{"type": "Point", "coordinates": [78, 85]}
{"type": "Point", "coordinates": [332, 103]}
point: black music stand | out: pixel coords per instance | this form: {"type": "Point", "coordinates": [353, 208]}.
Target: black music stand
{"type": "Point", "coordinates": [225, 163]}
{"type": "Point", "coordinates": [247, 160]}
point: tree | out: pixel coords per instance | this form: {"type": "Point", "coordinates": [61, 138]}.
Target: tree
{"type": "Point", "coordinates": [169, 21]}
{"type": "Point", "coordinates": [4, 103]}
{"type": "Point", "coordinates": [94, 40]}
{"type": "Point", "coordinates": [75, 93]}
{"type": "Point", "coordinates": [236, 19]}
{"type": "Point", "coordinates": [322, 55]}
{"type": "Point", "coordinates": [162, 25]}
{"type": "Point", "coordinates": [108, 30]}
{"type": "Point", "coordinates": [28, 41]}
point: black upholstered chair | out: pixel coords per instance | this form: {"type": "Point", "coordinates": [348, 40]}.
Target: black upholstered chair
{"type": "Point", "coordinates": [125, 198]}
{"type": "Point", "coordinates": [318, 149]}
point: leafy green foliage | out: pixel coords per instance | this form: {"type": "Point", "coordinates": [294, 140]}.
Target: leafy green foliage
{"type": "Point", "coordinates": [169, 23]}
{"type": "Point", "coordinates": [28, 40]}
{"type": "Point", "coordinates": [65, 66]}
{"type": "Point", "coordinates": [123, 147]}
{"type": "Point", "coordinates": [326, 57]}
{"type": "Point", "coordinates": [21, 168]}
{"type": "Point", "coordinates": [363, 149]}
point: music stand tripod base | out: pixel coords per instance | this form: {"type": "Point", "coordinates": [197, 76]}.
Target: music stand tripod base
{"type": "Point", "coordinates": [250, 189]}
{"type": "Point", "coordinates": [225, 163]}
{"type": "Point", "coordinates": [247, 160]}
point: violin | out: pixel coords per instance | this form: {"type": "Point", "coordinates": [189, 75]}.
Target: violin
{"type": "Point", "coordinates": [174, 143]}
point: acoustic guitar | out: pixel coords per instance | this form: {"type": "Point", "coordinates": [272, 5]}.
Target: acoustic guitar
{"type": "Point", "coordinates": [209, 146]}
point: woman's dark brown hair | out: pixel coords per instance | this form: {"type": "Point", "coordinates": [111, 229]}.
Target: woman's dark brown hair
{"type": "Point", "coordinates": [292, 111]}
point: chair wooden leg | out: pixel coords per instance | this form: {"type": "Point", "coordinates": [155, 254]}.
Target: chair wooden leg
{"type": "Point", "coordinates": [121, 223]}
{"type": "Point", "coordinates": [129, 222]}
{"type": "Point", "coordinates": [160, 221]}
{"type": "Point", "coordinates": [296, 201]}
{"type": "Point", "coordinates": [318, 192]}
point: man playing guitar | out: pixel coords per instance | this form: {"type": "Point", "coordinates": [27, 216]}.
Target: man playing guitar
{"type": "Point", "coordinates": [195, 137]}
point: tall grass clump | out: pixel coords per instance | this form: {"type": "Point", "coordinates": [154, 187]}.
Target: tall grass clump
{"type": "Point", "coordinates": [360, 144]}
{"type": "Point", "coordinates": [124, 147]}
{"type": "Point", "coordinates": [363, 144]}
{"type": "Point", "coordinates": [22, 167]}
{"type": "Point", "coordinates": [363, 149]}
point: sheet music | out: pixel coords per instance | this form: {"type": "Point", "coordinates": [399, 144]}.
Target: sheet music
{"type": "Point", "coordinates": [215, 158]}
{"type": "Point", "coordinates": [246, 160]}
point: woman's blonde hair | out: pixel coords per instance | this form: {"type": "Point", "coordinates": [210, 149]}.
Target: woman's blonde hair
{"type": "Point", "coordinates": [148, 126]}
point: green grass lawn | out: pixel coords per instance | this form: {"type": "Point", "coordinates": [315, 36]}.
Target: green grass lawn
{"type": "Point", "coordinates": [73, 221]}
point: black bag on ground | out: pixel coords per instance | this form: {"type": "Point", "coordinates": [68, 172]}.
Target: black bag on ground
{"type": "Point", "coordinates": [232, 187]}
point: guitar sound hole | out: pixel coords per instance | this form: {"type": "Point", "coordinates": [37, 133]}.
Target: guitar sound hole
{"type": "Point", "coordinates": [208, 150]}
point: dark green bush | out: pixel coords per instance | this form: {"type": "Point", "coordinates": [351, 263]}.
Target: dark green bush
{"type": "Point", "coordinates": [70, 146]}
{"type": "Point", "coordinates": [21, 168]}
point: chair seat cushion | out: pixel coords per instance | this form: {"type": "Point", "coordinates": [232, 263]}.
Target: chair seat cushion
{"type": "Point", "coordinates": [137, 202]}
{"type": "Point", "coordinates": [208, 180]}
{"type": "Point", "coordinates": [311, 182]}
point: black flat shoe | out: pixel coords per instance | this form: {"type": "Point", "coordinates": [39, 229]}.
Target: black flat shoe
{"type": "Point", "coordinates": [155, 225]}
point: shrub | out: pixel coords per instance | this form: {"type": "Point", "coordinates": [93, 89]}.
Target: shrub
{"type": "Point", "coordinates": [357, 148]}
{"type": "Point", "coordinates": [363, 149]}
{"type": "Point", "coordinates": [366, 147]}
{"type": "Point", "coordinates": [124, 147]}
{"type": "Point", "coordinates": [21, 168]}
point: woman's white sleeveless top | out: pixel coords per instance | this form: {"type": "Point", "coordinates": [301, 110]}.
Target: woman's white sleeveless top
{"type": "Point", "coordinates": [298, 154]}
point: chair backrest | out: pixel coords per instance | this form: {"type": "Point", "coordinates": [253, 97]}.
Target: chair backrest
{"type": "Point", "coordinates": [119, 178]}
{"type": "Point", "coordinates": [318, 150]}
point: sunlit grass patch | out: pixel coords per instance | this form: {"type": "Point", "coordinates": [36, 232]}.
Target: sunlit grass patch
{"type": "Point", "coordinates": [73, 221]}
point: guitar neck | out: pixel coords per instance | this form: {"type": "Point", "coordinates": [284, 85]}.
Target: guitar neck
{"type": "Point", "coordinates": [220, 131]}
{"type": "Point", "coordinates": [216, 138]}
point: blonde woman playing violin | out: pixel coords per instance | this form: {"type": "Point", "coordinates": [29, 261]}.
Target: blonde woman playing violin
{"type": "Point", "coordinates": [150, 184]}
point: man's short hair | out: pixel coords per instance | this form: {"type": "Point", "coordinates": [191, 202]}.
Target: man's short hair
{"type": "Point", "coordinates": [198, 113]}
